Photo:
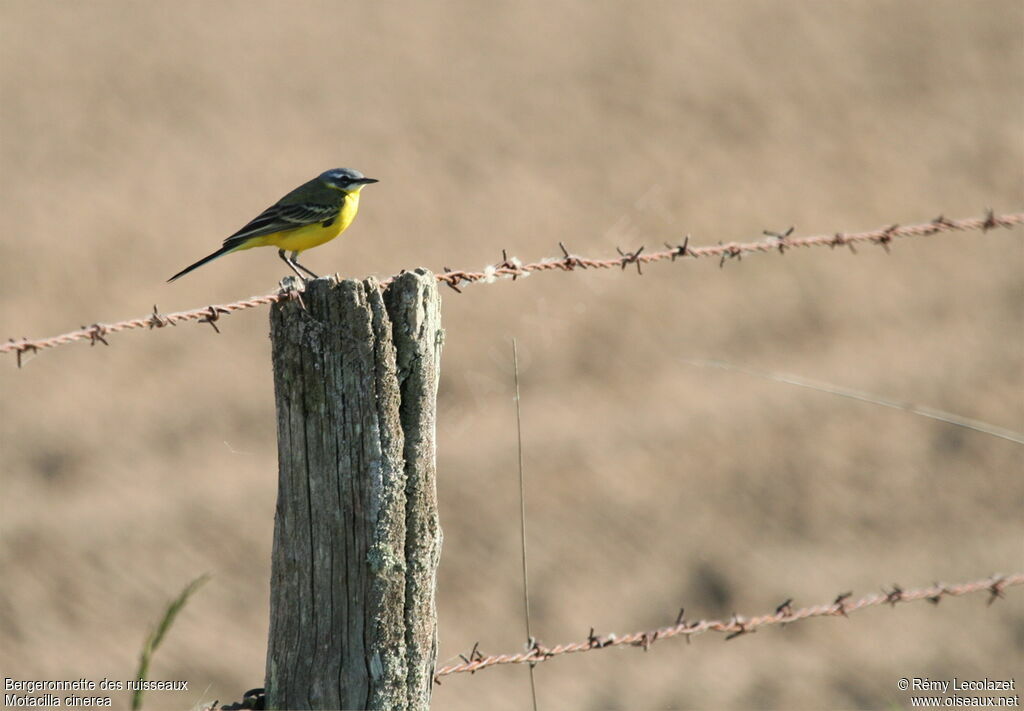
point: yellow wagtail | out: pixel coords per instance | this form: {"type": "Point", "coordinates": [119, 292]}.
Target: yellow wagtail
{"type": "Point", "coordinates": [311, 214]}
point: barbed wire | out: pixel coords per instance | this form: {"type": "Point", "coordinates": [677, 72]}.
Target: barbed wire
{"type": "Point", "coordinates": [513, 268]}
{"type": "Point", "coordinates": [736, 626]}
{"type": "Point", "coordinates": [97, 332]}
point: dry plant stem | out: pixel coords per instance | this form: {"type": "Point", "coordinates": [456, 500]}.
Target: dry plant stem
{"type": "Point", "coordinates": [522, 518]}
{"type": "Point", "coordinates": [922, 410]}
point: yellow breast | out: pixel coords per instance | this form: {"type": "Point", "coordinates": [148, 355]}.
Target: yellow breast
{"type": "Point", "coordinates": [316, 234]}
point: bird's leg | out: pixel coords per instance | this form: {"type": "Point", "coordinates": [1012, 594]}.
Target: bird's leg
{"type": "Point", "coordinates": [287, 261]}
{"type": "Point", "coordinates": [295, 262]}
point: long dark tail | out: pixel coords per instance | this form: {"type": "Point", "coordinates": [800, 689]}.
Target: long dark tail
{"type": "Point", "coordinates": [219, 253]}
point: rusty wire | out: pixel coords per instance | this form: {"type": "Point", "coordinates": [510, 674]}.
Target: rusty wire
{"type": "Point", "coordinates": [736, 626]}
{"type": "Point", "coordinates": [97, 332]}
{"type": "Point", "coordinates": [513, 268]}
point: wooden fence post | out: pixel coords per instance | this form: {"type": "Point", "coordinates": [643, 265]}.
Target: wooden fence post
{"type": "Point", "coordinates": [356, 537]}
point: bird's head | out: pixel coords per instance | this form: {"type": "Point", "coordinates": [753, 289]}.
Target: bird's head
{"type": "Point", "coordinates": [345, 179]}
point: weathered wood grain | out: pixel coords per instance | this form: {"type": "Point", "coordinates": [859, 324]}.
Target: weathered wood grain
{"type": "Point", "coordinates": [357, 538]}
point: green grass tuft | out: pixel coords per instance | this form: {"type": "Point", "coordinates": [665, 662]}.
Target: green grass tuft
{"type": "Point", "coordinates": [157, 636]}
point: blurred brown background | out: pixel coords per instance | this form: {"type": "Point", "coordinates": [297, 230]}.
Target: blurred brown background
{"type": "Point", "coordinates": [136, 136]}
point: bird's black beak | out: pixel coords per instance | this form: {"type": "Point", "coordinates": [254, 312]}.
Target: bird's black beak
{"type": "Point", "coordinates": [367, 181]}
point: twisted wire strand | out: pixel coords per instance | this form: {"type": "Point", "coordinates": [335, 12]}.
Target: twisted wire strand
{"type": "Point", "coordinates": [97, 332]}
{"type": "Point", "coordinates": [883, 236]}
{"type": "Point", "coordinates": [513, 268]}
{"type": "Point", "coordinates": [784, 614]}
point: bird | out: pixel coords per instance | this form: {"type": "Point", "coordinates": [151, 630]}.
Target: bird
{"type": "Point", "coordinates": [310, 215]}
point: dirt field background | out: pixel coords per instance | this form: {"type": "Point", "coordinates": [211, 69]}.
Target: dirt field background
{"type": "Point", "coordinates": [135, 136]}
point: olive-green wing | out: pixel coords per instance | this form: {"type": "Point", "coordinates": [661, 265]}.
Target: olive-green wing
{"type": "Point", "coordinates": [303, 206]}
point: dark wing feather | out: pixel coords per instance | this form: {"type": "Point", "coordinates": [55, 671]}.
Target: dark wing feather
{"type": "Point", "coordinates": [282, 217]}
{"type": "Point", "coordinates": [306, 205]}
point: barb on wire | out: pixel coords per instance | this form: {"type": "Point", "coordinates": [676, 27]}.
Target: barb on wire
{"type": "Point", "coordinates": [513, 268]}
{"type": "Point", "coordinates": [158, 321]}
{"type": "Point", "coordinates": [678, 250]}
{"type": "Point", "coordinates": [781, 237]}
{"type": "Point", "coordinates": [630, 258]}
{"type": "Point", "coordinates": [730, 251]}
{"type": "Point", "coordinates": [738, 625]}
